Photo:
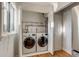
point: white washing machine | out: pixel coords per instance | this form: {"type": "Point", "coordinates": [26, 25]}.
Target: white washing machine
{"type": "Point", "coordinates": [29, 43]}
{"type": "Point", "coordinates": [42, 42]}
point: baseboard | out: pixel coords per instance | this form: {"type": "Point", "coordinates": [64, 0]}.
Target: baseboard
{"type": "Point", "coordinates": [68, 52]}
{"type": "Point", "coordinates": [32, 54]}
{"type": "Point", "coordinates": [37, 53]}
{"type": "Point", "coordinates": [57, 49]}
{"type": "Point", "coordinates": [51, 52]}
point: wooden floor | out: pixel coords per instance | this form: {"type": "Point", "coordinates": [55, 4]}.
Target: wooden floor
{"type": "Point", "coordinates": [59, 53]}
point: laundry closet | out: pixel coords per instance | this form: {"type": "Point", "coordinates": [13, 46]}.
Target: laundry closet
{"type": "Point", "coordinates": [34, 32]}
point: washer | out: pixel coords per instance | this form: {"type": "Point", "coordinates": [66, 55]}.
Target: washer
{"type": "Point", "coordinates": [42, 42]}
{"type": "Point", "coordinates": [29, 43]}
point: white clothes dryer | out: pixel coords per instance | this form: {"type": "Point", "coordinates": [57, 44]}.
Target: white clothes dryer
{"type": "Point", "coordinates": [29, 43]}
{"type": "Point", "coordinates": [42, 42]}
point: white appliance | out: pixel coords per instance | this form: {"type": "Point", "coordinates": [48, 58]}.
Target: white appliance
{"type": "Point", "coordinates": [42, 42]}
{"type": "Point", "coordinates": [29, 43]}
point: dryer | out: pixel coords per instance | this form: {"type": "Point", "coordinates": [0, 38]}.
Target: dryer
{"type": "Point", "coordinates": [42, 42]}
{"type": "Point", "coordinates": [29, 43]}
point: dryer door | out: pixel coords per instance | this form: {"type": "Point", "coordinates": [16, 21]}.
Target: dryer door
{"type": "Point", "coordinates": [42, 41]}
{"type": "Point", "coordinates": [29, 43]}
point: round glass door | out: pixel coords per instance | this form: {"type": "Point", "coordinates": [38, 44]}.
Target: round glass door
{"type": "Point", "coordinates": [29, 43]}
{"type": "Point", "coordinates": [42, 41]}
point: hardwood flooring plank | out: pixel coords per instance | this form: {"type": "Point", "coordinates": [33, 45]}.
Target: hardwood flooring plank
{"type": "Point", "coordinates": [59, 53]}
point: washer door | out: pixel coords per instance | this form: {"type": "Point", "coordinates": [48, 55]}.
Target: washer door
{"type": "Point", "coordinates": [29, 43]}
{"type": "Point", "coordinates": [42, 41]}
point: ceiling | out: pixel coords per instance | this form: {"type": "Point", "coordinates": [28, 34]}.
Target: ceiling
{"type": "Point", "coordinates": [34, 3]}
{"type": "Point", "coordinates": [42, 7]}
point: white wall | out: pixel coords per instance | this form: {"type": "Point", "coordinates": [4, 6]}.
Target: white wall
{"type": "Point", "coordinates": [7, 46]}
{"type": "Point", "coordinates": [19, 31]}
{"type": "Point", "coordinates": [58, 31]}
{"type": "Point", "coordinates": [28, 16]}
{"type": "Point", "coordinates": [75, 21]}
{"type": "Point", "coordinates": [33, 18]}
{"type": "Point", "coordinates": [50, 29]}
{"type": "Point", "coordinates": [67, 31]}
